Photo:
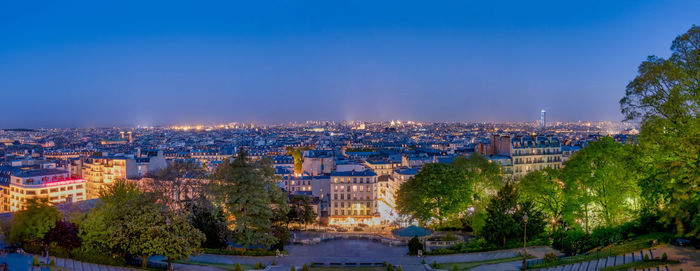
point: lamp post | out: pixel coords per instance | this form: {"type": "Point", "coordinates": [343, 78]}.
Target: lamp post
{"type": "Point", "coordinates": [524, 242]}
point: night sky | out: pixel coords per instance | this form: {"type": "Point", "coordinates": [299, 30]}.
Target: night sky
{"type": "Point", "coordinates": [122, 63]}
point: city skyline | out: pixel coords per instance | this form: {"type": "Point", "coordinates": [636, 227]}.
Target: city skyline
{"type": "Point", "coordinates": [83, 64]}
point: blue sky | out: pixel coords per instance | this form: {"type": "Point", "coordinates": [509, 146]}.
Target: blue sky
{"type": "Point", "coordinates": [104, 63]}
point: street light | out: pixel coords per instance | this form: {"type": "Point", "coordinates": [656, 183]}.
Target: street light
{"type": "Point", "coordinates": [524, 242]}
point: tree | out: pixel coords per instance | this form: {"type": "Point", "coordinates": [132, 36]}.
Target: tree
{"type": "Point", "coordinates": [545, 189]}
{"type": "Point", "coordinates": [436, 192]}
{"type": "Point", "coordinates": [600, 184]}
{"type": "Point", "coordinates": [130, 221]}
{"type": "Point", "coordinates": [301, 210]}
{"type": "Point", "coordinates": [31, 224]}
{"type": "Point", "coordinates": [65, 235]}
{"type": "Point", "coordinates": [180, 183]}
{"type": "Point", "coordinates": [210, 220]}
{"type": "Point", "coordinates": [665, 96]}
{"type": "Point", "coordinates": [500, 221]}
{"type": "Point", "coordinates": [249, 195]}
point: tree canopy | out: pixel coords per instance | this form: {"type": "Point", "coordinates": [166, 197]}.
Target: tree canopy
{"type": "Point", "coordinates": [250, 197]}
{"type": "Point", "coordinates": [665, 97]}
{"type": "Point", "coordinates": [31, 224]}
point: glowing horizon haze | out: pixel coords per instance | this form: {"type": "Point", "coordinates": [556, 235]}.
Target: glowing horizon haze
{"type": "Point", "coordinates": [128, 63]}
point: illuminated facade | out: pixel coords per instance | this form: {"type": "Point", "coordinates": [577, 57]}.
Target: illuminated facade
{"type": "Point", "coordinates": [354, 198]}
{"type": "Point", "coordinates": [521, 155]}
{"type": "Point", "coordinates": [101, 171]}
{"type": "Point", "coordinates": [55, 185]}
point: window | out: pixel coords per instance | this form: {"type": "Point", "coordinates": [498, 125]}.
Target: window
{"type": "Point", "coordinates": [53, 190]}
{"type": "Point", "coordinates": [43, 191]}
{"type": "Point", "coordinates": [31, 192]}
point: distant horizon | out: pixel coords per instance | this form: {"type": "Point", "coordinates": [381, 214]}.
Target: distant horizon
{"type": "Point", "coordinates": [99, 64]}
{"type": "Point", "coordinates": [304, 121]}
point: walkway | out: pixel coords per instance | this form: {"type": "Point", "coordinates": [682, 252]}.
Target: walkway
{"type": "Point", "coordinates": [24, 262]}
{"type": "Point", "coordinates": [690, 260]}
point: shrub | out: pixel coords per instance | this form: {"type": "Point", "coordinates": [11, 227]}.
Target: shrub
{"type": "Point", "coordinates": [435, 264]}
{"type": "Point", "coordinates": [51, 268]}
{"type": "Point", "coordinates": [454, 267]}
{"type": "Point", "coordinates": [305, 268]}
{"type": "Point", "coordinates": [293, 268]}
{"type": "Point", "coordinates": [664, 257]}
{"type": "Point", "coordinates": [399, 268]}
{"type": "Point", "coordinates": [520, 254]}
{"type": "Point", "coordinates": [273, 262]}
{"type": "Point", "coordinates": [52, 262]}
{"type": "Point", "coordinates": [423, 261]}
{"type": "Point", "coordinates": [390, 267]}
{"type": "Point", "coordinates": [449, 237]}
{"type": "Point", "coordinates": [414, 245]}
{"type": "Point", "coordinates": [646, 257]}
{"type": "Point", "coordinates": [550, 257]}
{"type": "Point", "coordinates": [239, 268]}
{"type": "Point", "coordinates": [312, 265]}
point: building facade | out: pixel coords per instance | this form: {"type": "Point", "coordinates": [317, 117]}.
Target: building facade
{"type": "Point", "coordinates": [354, 197]}
{"type": "Point", "coordinates": [55, 185]}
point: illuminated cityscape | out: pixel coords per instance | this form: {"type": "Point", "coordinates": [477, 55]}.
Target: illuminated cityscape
{"type": "Point", "coordinates": [349, 136]}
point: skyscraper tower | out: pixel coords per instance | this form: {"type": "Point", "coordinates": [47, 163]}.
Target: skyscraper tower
{"type": "Point", "coordinates": [543, 120]}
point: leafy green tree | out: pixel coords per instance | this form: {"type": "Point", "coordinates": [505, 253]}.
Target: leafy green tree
{"type": "Point", "coordinates": [130, 221]}
{"type": "Point", "coordinates": [665, 96]}
{"type": "Point", "coordinates": [436, 192]}
{"type": "Point", "coordinates": [31, 224]}
{"type": "Point", "coordinates": [545, 189]}
{"type": "Point", "coordinates": [600, 184]}
{"type": "Point", "coordinates": [250, 197]}
{"type": "Point", "coordinates": [500, 221]}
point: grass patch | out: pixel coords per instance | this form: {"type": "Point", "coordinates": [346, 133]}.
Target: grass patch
{"type": "Point", "coordinates": [470, 265]}
{"type": "Point", "coordinates": [225, 266]}
{"type": "Point", "coordinates": [641, 265]}
{"type": "Point", "coordinates": [623, 247]}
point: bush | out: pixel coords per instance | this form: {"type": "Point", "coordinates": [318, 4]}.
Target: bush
{"type": "Point", "coordinates": [646, 257]}
{"type": "Point", "coordinates": [293, 268]}
{"type": "Point", "coordinates": [273, 262]}
{"type": "Point", "coordinates": [305, 268]}
{"type": "Point", "coordinates": [449, 237]}
{"type": "Point", "coordinates": [423, 261]}
{"type": "Point", "coordinates": [414, 245]}
{"type": "Point", "coordinates": [52, 262]}
{"type": "Point", "coordinates": [454, 267]}
{"type": "Point", "coordinates": [390, 267]}
{"type": "Point", "coordinates": [664, 257]}
{"type": "Point", "coordinates": [97, 257]}
{"type": "Point", "coordinates": [35, 261]}
{"type": "Point", "coordinates": [399, 268]}
{"type": "Point", "coordinates": [550, 257]}
{"type": "Point", "coordinates": [239, 268]}
{"type": "Point", "coordinates": [435, 264]}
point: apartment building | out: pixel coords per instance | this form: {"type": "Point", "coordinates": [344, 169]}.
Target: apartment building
{"type": "Point", "coordinates": [55, 185]}
{"type": "Point", "coordinates": [354, 198]}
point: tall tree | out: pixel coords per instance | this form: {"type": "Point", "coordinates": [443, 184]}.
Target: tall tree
{"type": "Point", "coordinates": [600, 184]}
{"type": "Point", "coordinates": [545, 189]}
{"type": "Point", "coordinates": [665, 96]}
{"type": "Point", "coordinates": [500, 222]}
{"type": "Point", "coordinates": [249, 194]}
